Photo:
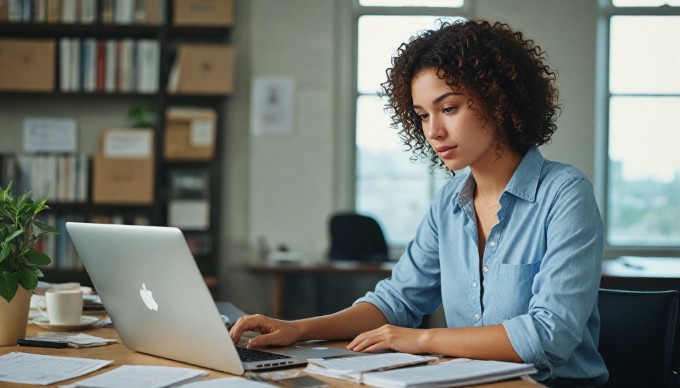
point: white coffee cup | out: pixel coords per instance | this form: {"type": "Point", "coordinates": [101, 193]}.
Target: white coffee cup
{"type": "Point", "coordinates": [64, 307]}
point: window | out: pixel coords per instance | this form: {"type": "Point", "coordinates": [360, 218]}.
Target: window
{"type": "Point", "coordinates": [388, 186]}
{"type": "Point", "coordinates": [642, 101]}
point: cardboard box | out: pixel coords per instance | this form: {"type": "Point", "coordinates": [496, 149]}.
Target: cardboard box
{"type": "Point", "coordinates": [203, 69]}
{"type": "Point", "coordinates": [216, 13]}
{"type": "Point", "coordinates": [190, 134]}
{"type": "Point", "coordinates": [27, 65]}
{"type": "Point", "coordinates": [123, 170]}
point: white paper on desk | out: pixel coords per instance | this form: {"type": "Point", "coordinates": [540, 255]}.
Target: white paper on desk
{"type": "Point", "coordinates": [141, 376]}
{"type": "Point", "coordinates": [456, 373]}
{"type": "Point", "coordinates": [228, 382]}
{"type": "Point", "coordinates": [25, 368]}
{"type": "Point", "coordinates": [352, 368]}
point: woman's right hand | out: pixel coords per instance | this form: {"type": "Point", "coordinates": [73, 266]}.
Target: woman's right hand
{"type": "Point", "coordinates": [272, 331]}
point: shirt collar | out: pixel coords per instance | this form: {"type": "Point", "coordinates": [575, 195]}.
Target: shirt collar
{"type": "Point", "coordinates": [524, 182]}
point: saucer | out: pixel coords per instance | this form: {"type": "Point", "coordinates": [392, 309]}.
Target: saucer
{"type": "Point", "coordinates": [85, 321]}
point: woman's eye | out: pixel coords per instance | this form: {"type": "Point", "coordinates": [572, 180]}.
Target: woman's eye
{"type": "Point", "coordinates": [449, 109]}
{"type": "Point", "coordinates": [423, 116]}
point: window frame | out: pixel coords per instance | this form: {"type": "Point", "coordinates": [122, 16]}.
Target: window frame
{"type": "Point", "coordinates": [355, 12]}
{"type": "Point", "coordinates": [606, 10]}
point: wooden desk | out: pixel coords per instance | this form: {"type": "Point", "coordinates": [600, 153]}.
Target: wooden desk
{"type": "Point", "coordinates": [280, 272]}
{"type": "Point", "coordinates": [123, 356]}
{"type": "Point", "coordinates": [641, 273]}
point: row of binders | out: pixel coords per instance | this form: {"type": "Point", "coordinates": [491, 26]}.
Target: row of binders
{"type": "Point", "coordinates": [109, 65]}
{"type": "Point", "coordinates": [83, 11]}
{"type": "Point", "coordinates": [61, 178]}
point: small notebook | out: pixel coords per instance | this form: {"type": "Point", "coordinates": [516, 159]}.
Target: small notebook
{"type": "Point", "coordinates": [354, 368]}
{"type": "Point", "coordinates": [456, 373]}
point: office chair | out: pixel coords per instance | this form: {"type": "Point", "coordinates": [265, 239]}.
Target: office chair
{"type": "Point", "coordinates": [638, 337]}
{"type": "Point", "coordinates": [356, 237]}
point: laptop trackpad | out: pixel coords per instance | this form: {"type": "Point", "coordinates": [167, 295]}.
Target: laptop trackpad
{"type": "Point", "coordinates": [313, 350]}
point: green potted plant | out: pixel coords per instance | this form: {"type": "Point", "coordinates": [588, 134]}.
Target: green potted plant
{"type": "Point", "coordinates": [20, 229]}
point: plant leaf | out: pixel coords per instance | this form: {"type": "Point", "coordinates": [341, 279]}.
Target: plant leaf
{"type": "Point", "coordinates": [44, 227]}
{"type": "Point", "coordinates": [27, 278]}
{"type": "Point", "coordinates": [37, 258]}
{"type": "Point", "coordinates": [40, 206]}
{"type": "Point", "coordinates": [4, 252]}
{"type": "Point", "coordinates": [13, 235]}
{"type": "Point", "coordinates": [8, 285]}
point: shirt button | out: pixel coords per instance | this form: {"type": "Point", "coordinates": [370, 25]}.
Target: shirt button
{"type": "Point", "coordinates": [492, 244]}
{"type": "Point", "coordinates": [485, 269]}
{"type": "Point", "coordinates": [474, 284]}
{"type": "Point", "coordinates": [477, 317]}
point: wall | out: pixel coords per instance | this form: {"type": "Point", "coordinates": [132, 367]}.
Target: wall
{"type": "Point", "coordinates": [294, 182]}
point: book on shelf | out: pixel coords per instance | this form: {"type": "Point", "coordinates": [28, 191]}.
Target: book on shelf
{"type": "Point", "coordinates": [88, 11]}
{"type": "Point", "coordinates": [53, 11]}
{"type": "Point", "coordinates": [69, 11]}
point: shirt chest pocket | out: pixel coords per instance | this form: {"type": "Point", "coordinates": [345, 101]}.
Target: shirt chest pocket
{"type": "Point", "coordinates": [514, 282]}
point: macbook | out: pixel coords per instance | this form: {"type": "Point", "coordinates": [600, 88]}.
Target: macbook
{"type": "Point", "coordinates": [159, 303]}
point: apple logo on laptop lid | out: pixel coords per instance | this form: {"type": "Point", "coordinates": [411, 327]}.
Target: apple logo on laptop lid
{"type": "Point", "coordinates": [147, 298]}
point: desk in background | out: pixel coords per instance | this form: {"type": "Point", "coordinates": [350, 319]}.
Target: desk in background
{"type": "Point", "coordinates": [123, 356]}
{"type": "Point", "coordinates": [641, 273]}
{"type": "Point", "coordinates": [280, 272]}
{"type": "Point", "coordinates": [626, 273]}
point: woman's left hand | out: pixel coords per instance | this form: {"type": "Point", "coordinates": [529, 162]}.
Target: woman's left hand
{"type": "Point", "coordinates": [389, 337]}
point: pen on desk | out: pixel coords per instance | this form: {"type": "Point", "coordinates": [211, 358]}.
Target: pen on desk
{"type": "Point", "coordinates": [41, 344]}
{"type": "Point", "coordinates": [633, 266]}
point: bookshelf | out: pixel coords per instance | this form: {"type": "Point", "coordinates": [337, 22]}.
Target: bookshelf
{"type": "Point", "coordinates": [185, 185]}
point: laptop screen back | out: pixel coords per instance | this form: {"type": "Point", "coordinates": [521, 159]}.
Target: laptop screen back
{"type": "Point", "coordinates": [154, 293]}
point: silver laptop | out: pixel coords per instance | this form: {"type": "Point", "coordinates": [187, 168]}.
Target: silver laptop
{"type": "Point", "coordinates": [155, 295]}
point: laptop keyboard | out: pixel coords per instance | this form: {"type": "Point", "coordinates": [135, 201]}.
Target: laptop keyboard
{"type": "Point", "coordinates": [250, 355]}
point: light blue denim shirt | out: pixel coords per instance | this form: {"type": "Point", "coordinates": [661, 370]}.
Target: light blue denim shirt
{"type": "Point", "coordinates": [541, 268]}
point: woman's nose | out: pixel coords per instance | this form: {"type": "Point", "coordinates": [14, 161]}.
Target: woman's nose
{"type": "Point", "coordinates": [434, 128]}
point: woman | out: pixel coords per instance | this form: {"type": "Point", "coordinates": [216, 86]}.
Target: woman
{"type": "Point", "coordinates": [512, 249]}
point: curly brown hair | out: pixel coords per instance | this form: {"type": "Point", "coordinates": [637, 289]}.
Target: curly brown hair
{"type": "Point", "coordinates": [508, 71]}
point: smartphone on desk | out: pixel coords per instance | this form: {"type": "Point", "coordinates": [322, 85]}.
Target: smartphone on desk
{"type": "Point", "coordinates": [302, 382]}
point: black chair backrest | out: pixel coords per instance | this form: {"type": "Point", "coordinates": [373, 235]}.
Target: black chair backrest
{"type": "Point", "coordinates": [356, 237]}
{"type": "Point", "coordinates": [638, 336]}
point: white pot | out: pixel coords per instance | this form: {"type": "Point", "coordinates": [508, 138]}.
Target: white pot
{"type": "Point", "coordinates": [14, 317]}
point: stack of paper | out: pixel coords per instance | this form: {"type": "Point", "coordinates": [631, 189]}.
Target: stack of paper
{"type": "Point", "coordinates": [141, 376]}
{"type": "Point", "coordinates": [353, 368]}
{"type": "Point", "coordinates": [24, 368]}
{"type": "Point", "coordinates": [73, 340]}
{"type": "Point", "coordinates": [454, 373]}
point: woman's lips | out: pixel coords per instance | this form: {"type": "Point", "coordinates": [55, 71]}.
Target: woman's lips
{"type": "Point", "coordinates": [446, 152]}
